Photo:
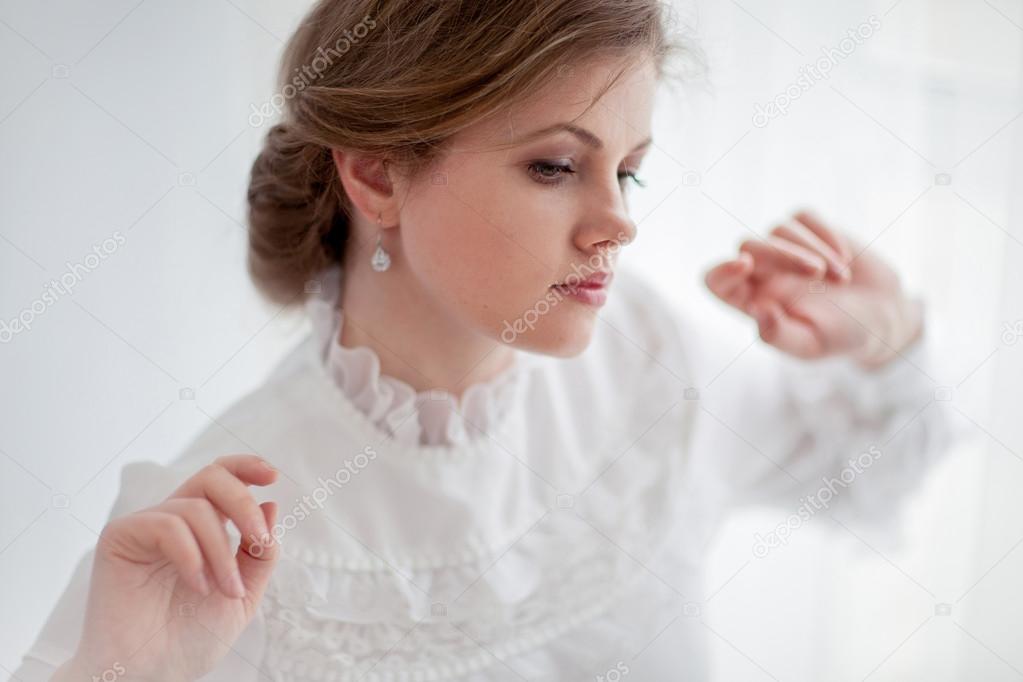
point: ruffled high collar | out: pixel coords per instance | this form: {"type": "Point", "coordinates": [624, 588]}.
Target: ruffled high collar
{"type": "Point", "coordinates": [432, 417]}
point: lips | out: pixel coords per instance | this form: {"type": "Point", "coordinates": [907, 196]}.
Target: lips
{"type": "Point", "coordinates": [597, 280]}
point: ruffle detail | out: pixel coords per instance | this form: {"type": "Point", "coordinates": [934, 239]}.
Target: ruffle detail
{"type": "Point", "coordinates": [410, 417]}
{"type": "Point", "coordinates": [329, 624]}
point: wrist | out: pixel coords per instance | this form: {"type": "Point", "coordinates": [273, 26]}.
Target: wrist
{"type": "Point", "coordinates": [901, 325]}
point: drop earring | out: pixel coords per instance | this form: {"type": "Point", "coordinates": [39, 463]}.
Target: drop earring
{"type": "Point", "coordinates": [381, 259]}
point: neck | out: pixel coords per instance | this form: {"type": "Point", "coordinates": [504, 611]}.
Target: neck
{"type": "Point", "coordinates": [416, 342]}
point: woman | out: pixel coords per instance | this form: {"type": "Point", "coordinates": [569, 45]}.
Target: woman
{"type": "Point", "coordinates": [495, 457]}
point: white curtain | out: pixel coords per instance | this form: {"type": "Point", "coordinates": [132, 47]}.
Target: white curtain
{"type": "Point", "coordinates": [913, 142]}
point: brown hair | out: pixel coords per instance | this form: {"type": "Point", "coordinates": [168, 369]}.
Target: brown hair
{"type": "Point", "coordinates": [397, 79]}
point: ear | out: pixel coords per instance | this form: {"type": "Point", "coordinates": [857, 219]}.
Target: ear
{"type": "Point", "coordinates": [368, 185]}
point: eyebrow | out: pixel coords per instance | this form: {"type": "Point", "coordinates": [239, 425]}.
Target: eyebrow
{"type": "Point", "coordinates": [586, 136]}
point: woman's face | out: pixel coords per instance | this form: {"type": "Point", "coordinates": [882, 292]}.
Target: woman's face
{"type": "Point", "coordinates": [531, 199]}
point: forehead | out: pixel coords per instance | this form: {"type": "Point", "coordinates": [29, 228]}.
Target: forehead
{"type": "Point", "coordinates": [612, 97]}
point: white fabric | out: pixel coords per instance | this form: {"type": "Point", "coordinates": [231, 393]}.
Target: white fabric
{"type": "Point", "coordinates": [563, 543]}
{"type": "Point", "coordinates": [440, 417]}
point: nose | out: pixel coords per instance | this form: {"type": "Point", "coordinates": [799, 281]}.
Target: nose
{"type": "Point", "coordinates": [606, 226]}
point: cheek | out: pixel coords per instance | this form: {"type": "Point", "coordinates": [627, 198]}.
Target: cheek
{"type": "Point", "coordinates": [487, 254]}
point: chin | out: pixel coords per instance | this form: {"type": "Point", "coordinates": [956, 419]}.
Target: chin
{"type": "Point", "coordinates": [567, 341]}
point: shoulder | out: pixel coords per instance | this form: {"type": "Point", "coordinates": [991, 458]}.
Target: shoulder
{"type": "Point", "coordinates": [641, 325]}
{"type": "Point", "coordinates": [635, 363]}
{"type": "Point", "coordinates": [258, 422]}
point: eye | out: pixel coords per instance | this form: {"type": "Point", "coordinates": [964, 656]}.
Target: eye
{"type": "Point", "coordinates": [548, 172]}
{"type": "Point", "coordinates": [628, 174]}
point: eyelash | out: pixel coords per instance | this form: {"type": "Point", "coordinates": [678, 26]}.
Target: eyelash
{"type": "Point", "coordinates": [536, 167]}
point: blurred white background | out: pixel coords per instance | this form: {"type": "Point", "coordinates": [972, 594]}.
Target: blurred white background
{"type": "Point", "coordinates": [125, 128]}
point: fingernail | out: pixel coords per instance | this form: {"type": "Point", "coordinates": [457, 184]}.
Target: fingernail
{"type": "Point", "coordinates": [261, 526]}
{"type": "Point", "coordinates": [264, 540]}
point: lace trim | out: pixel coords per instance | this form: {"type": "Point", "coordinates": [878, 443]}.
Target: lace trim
{"type": "Point", "coordinates": [474, 445]}
{"type": "Point", "coordinates": [440, 417]}
{"type": "Point", "coordinates": [459, 619]}
{"type": "Point", "coordinates": [474, 550]}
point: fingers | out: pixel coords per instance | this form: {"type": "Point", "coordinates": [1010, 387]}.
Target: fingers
{"type": "Point", "coordinates": [223, 484]}
{"type": "Point", "coordinates": [729, 281]}
{"type": "Point", "coordinates": [187, 530]}
{"type": "Point", "coordinates": [250, 469]}
{"type": "Point", "coordinates": [265, 551]}
{"type": "Point", "coordinates": [786, 331]}
{"type": "Point", "coordinates": [832, 238]}
{"type": "Point", "coordinates": [775, 254]}
{"type": "Point", "coordinates": [257, 561]}
{"type": "Point", "coordinates": [734, 283]}
{"type": "Point", "coordinates": [206, 526]}
{"type": "Point", "coordinates": [800, 234]}
{"type": "Point", "coordinates": [151, 534]}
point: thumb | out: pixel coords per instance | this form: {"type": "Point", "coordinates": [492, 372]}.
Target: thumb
{"type": "Point", "coordinates": [787, 332]}
{"type": "Point", "coordinates": [729, 281]}
{"type": "Point", "coordinates": [257, 557]}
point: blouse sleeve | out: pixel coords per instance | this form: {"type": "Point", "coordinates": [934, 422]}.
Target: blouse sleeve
{"type": "Point", "coordinates": [143, 484]}
{"type": "Point", "coordinates": [59, 637]}
{"type": "Point", "coordinates": [818, 436]}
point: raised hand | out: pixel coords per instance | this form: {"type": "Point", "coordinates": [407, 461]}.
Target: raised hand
{"type": "Point", "coordinates": [815, 292]}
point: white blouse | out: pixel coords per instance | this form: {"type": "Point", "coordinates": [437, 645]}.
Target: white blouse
{"type": "Point", "coordinates": [551, 525]}
{"type": "Point", "coordinates": [440, 417]}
